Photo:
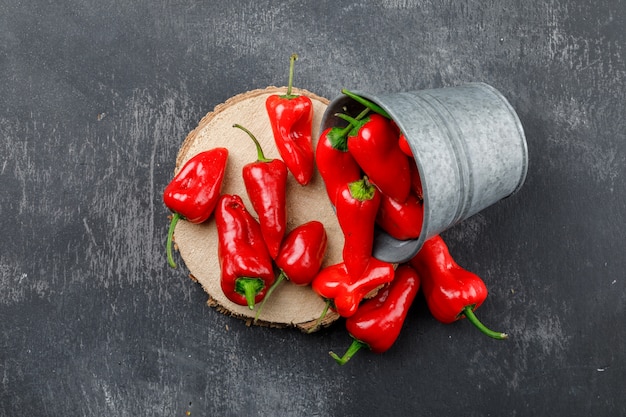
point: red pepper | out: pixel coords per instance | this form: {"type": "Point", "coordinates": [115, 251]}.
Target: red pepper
{"type": "Point", "coordinates": [194, 191]}
{"type": "Point", "coordinates": [416, 180]}
{"type": "Point", "coordinates": [300, 257]}
{"type": "Point", "coordinates": [336, 285]}
{"type": "Point", "coordinates": [291, 119]}
{"type": "Point", "coordinates": [401, 220]}
{"type": "Point", "coordinates": [404, 145]}
{"type": "Point", "coordinates": [335, 164]}
{"type": "Point", "coordinates": [266, 184]}
{"type": "Point", "coordinates": [451, 292]}
{"type": "Point", "coordinates": [373, 143]}
{"type": "Point", "coordinates": [246, 266]}
{"type": "Point", "coordinates": [356, 205]}
{"type": "Point", "coordinates": [378, 321]}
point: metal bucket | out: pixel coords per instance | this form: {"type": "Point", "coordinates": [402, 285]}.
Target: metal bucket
{"type": "Point", "coordinates": [469, 146]}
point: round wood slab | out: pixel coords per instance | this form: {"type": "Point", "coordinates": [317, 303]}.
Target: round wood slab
{"type": "Point", "coordinates": [289, 305]}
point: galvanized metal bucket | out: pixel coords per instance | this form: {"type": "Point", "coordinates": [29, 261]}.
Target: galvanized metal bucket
{"type": "Point", "coordinates": [469, 146]}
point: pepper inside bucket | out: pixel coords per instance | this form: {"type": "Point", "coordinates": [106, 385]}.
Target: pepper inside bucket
{"type": "Point", "coordinates": [469, 148]}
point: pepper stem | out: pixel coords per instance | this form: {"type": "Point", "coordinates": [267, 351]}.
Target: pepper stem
{"type": "Point", "coordinates": [354, 348]}
{"type": "Point", "coordinates": [318, 322]}
{"type": "Point", "coordinates": [356, 120]}
{"type": "Point", "coordinates": [353, 122]}
{"type": "Point", "coordinates": [362, 190]}
{"type": "Point", "coordinates": [292, 60]}
{"type": "Point", "coordinates": [170, 238]}
{"type": "Point", "coordinates": [249, 287]}
{"type": "Point", "coordinates": [370, 105]}
{"type": "Point", "coordinates": [469, 313]}
{"type": "Point", "coordinates": [259, 150]}
{"type": "Point", "coordinates": [338, 136]}
{"type": "Point", "coordinates": [281, 277]}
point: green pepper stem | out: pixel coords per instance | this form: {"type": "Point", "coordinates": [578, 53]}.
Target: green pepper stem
{"type": "Point", "coordinates": [170, 238]}
{"type": "Point", "coordinates": [469, 313]}
{"type": "Point", "coordinates": [353, 122]}
{"type": "Point", "coordinates": [354, 348]}
{"type": "Point", "coordinates": [338, 136]}
{"type": "Point", "coordinates": [318, 322]}
{"type": "Point", "coordinates": [249, 287]}
{"type": "Point", "coordinates": [362, 190]}
{"type": "Point", "coordinates": [370, 105]}
{"type": "Point", "coordinates": [292, 59]}
{"type": "Point", "coordinates": [259, 150]}
{"type": "Point", "coordinates": [281, 277]}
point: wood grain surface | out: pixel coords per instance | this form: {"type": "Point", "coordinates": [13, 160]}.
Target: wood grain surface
{"type": "Point", "coordinates": [289, 305]}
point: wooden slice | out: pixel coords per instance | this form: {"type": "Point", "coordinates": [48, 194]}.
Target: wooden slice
{"type": "Point", "coordinates": [289, 305]}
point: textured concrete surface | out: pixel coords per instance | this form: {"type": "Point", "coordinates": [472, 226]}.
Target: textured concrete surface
{"type": "Point", "coordinates": [96, 98]}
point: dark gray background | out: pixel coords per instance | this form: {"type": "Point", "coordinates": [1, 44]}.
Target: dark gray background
{"type": "Point", "coordinates": [97, 96]}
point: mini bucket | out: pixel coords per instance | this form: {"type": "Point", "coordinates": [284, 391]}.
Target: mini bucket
{"type": "Point", "coordinates": [470, 150]}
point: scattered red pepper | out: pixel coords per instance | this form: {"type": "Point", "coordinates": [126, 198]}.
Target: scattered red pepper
{"type": "Point", "coordinates": [337, 286]}
{"type": "Point", "coordinates": [194, 191]}
{"type": "Point", "coordinates": [291, 118]}
{"type": "Point", "coordinates": [300, 257]}
{"type": "Point", "coordinates": [246, 266]}
{"type": "Point", "coordinates": [335, 164]}
{"type": "Point", "coordinates": [373, 143]}
{"type": "Point", "coordinates": [451, 292]}
{"type": "Point", "coordinates": [266, 184]}
{"type": "Point", "coordinates": [378, 321]}
{"type": "Point", "coordinates": [357, 205]}
{"type": "Point", "coordinates": [402, 221]}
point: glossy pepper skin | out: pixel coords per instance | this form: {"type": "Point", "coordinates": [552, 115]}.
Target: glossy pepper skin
{"type": "Point", "coordinates": [302, 253]}
{"type": "Point", "coordinates": [335, 164]}
{"type": "Point", "coordinates": [402, 221]}
{"type": "Point", "coordinates": [291, 119]}
{"type": "Point", "coordinates": [403, 143]}
{"type": "Point", "coordinates": [451, 291]}
{"type": "Point", "coordinates": [193, 192]}
{"type": "Point", "coordinates": [378, 321]}
{"type": "Point", "coordinates": [301, 256]}
{"type": "Point", "coordinates": [356, 205]}
{"type": "Point", "coordinates": [246, 266]}
{"type": "Point", "coordinates": [335, 284]}
{"type": "Point", "coordinates": [373, 143]}
{"type": "Point", "coordinates": [266, 185]}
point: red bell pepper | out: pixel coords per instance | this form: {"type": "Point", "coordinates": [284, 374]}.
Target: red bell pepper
{"type": "Point", "coordinates": [373, 143]}
{"type": "Point", "coordinates": [378, 321]}
{"type": "Point", "coordinates": [266, 184]}
{"type": "Point", "coordinates": [335, 164]}
{"type": "Point", "coordinates": [356, 205]}
{"type": "Point", "coordinates": [194, 191]}
{"type": "Point", "coordinates": [344, 293]}
{"type": "Point", "coordinates": [402, 221]}
{"type": "Point", "coordinates": [451, 292]}
{"type": "Point", "coordinates": [247, 271]}
{"type": "Point", "coordinates": [300, 257]}
{"type": "Point", "coordinates": [291, 119]}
